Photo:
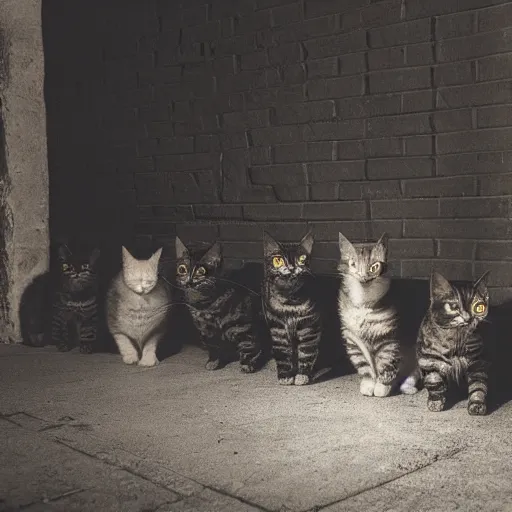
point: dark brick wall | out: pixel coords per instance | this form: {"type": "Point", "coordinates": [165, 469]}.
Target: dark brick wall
{"type": "Point", "coordinates": [215, 120]}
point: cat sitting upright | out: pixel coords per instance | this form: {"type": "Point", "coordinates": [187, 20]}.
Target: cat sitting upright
{"type": "Point", "coordinates": [370, 325]}
{"type": "Point", "coordinates": [138, 302]}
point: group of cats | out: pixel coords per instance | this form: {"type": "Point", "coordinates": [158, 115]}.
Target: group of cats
{"type": "Point", "coordinates": [448, 349]}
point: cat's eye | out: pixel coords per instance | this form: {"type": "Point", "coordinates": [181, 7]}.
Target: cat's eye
{"type": "Point", "coordinates": [182, 270]}
{"type": "Point", "coordinates": [302, 259]}
{"type": "Point", "coordinates": [479, 307]}
{"type": "Point", "coordinates": [375, 267]}
{"type": "Point", "coordinates": [277, 261]}
{"type": "Point", "coordinates": [201, 271]}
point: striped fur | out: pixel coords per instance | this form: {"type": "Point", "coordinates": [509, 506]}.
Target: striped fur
{"type": "Point", "coordinates": [138, 302]}
{"type": "Point", "coordinates": [450, 344]}
{"type": "Point", "coordinates": [224, 313]}
{"type": "Point", "coordinates": [75, 306]}
{"type": "Point", "coordinates": [369, 321]}
{"type": "Point", "coordinates": [292, 315]}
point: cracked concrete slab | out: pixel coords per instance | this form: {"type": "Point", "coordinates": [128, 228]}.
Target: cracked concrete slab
{"type": "Point", "coordinates": [228, 441]}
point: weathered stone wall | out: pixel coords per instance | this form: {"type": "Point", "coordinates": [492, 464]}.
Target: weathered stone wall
{"type": "Point", "coordinates": [23, 159]}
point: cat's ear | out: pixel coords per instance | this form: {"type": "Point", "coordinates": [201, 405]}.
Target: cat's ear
{"type": "Point", "coordinates": [181, 250]}
{"type": "Point", "coordinates": [63, 253]}
{"type": "Point", "coordinates": [212, 256]}
{"type": "Point", "coordinates": [380, 249]}
{"type": "Point", "coordinates": [94, 257]}
{"type": "Point", "coordinates": [156, 257]}
{"type": "Point", "coordinates": [270, 246]}
{"type": "Point", "coordinates": [307, 242]}
{"type": "Point", "coordinates": [440, 287]}
{"type": "Point", "coordinates": [480, 285]}
{"type": "Point", "coordinates": [347, 250]}
{"type": "Point", "coordinates": [127, 257]}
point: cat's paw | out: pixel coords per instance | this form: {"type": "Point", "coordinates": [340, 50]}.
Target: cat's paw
{"type": "Point", "coordinates": [148, 360]}
{"type": "Point", "coordinates": [130, 359]}
{"type": "Point", "coordinates": [435, 405]}
{"type": "Point", "coordinates": [409, 386]}
{"type": "Point", "coordinates": [247, 368]}
{"type": "Point", "coordinates": [381, 390]}
{"type": "Point", "coordinates": [212, 364]}
{"type": "Point", "coordinates": [286, 381]}
{"type": "Point", "coordinates": [477, 408]}
{"type": "Point", "coordinates": [86, 348]}
{"type": "Point", "coordinates": [367, 386]}
{"type": "Point", "coordinates": [301, 379]}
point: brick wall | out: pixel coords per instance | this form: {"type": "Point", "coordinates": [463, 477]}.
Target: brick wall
{"type": "Point", "coordinates": [217, 120]}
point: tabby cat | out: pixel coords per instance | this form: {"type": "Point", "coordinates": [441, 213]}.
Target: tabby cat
{"type": "Point", "coordinates": [75, 306]}
{"type": "Point", "coordinates": [138, 302]}
{"type": "Point", "coordinates": [450, 343]}
{"type": "Point", "coordinates": [224, 313]}
{"type": "Point", "coordinates": [292, 316]}
{"type": "Point", "coordinates": [369, 320]}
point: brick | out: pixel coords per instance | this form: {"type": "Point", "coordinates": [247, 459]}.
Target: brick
{"type": "Point", "coordinates": [484, 229]}
{"type": "Point", "coordinates": [305, 112]}
{"type": "Point", "coordinates": [183, 162]}
{"type": "Point", "coordinates": [421, 54]}
{"type": "Point", "coordinates": [260, 156]}
{"type": "Point", "coordinates": [499, 16]}
{"type": "Point", "coordinates": [421, 9]}
{"type": "Point", "coordinates": [368, 106]}
{"type": "Point", "coordinates": [381, 13]}
{"type": "Point", "coordinates": [217, 211]}
{"type": "Point", "coordinates": [440, 187]}
{"type": "Point", "coordinates": [417, 101]}
{"type": "Point", "coordinates": [456, 249]}
{"type": "Point", "coordinates": [452, 120]}
{"type": "Point", "coordinates": [306, 30]}
{"type": "Point", "coordinates": [175, 213]}
{"type": "Point", "coordinates": [352, 63]}
{"type": "Point", "coordinates": [355, 231]}
{"type": "Point", "coordinates": [314, 8]}
{"type": "Point", "coordinates": [284, 231]}
{"type": "Point", "coordinates": [153, 188]}
{"type": "Point", "coordinates": [496, 185]}
{"type": "Point", "coordinates": [469, 207]}
{"type": "Point", "coordinates": [399, 80]}
{"type": "Point", "coordinates": [285, 15]}
{"type": "Point", "coordinates": [194, 232]}
{"type": "Point", "coordinates": [158, 130]}
{"type": "Point", "coordinates": [303, 152]}
{"type": "Point", "coordinates": [410, 124]}
{"type": "Point", "coordinates": [419, 146]}
{"type": "Point", "coordinates": [417, 31]}
{"type": "Point", "coordinates": [349, 150]}
{"type": "Point", "coordinates": [404, 209]}
{"type": "Point", "coordinates": [453, 74]}
{"type": "Point", "coordinates": [336, 171]}
{"type": "Point", "coordinates": [254, 60]}
{"type": "Point", "coordinates": [286, 174]}
{"type": "Point", "coordinates": [335, 87]}
{"type": "Point", "coordinates": [327, 250]}
{"type": "Point", "coordinates": [417, 248]}
{"type": "Point", "coordinates": [155, 112]}
{"type": "Point", "coordinates": [285, 95]}
{"type": "Point", "coordinates": [370, 190]}
{"type": "Point", "coordinates": [399, 168]}
{"type": "Point", "coordinates": [272, 212]}
{"type": "Point", "coordinates": [349, 210]}
{"type": "Point", "coordinates": [246, 120]}
{"type": "Point", "coordinates": [285, 54]}
{"type": "Point", "coordinates": [352, 129]}
{"type": "Point", "coordinates": [275, 135]}
{"type": "Point", "coordinates": [336, 45]}
{"type": "Point", "coordinates": [451, 269]}
{"type": "Point", "coordinates": [383, 147]}
{"type": "Point", "coordinates": [455, 25]}
{"type": "Point", "coordinates": [478, 45]}
{"type": "Point", "coordinates": [137, 165]}
{"type": "Point", "coordinates": [475, 163]}
{"type": "Point", "coordinates": [243, 81]}
{"type": "Point", "coordinates": [244, 250]}
{"type": "Point", "coordinates": [322, 68]}
{"type": "Point", "coordinates": [494, 250]}
{"type": "Point", "coordinates": [500, 272]}
{"type": "Point", "coordinates": [324, 192]}
{"type": "Point", "coordinates": [495, 67]}
{"type": "Point", "coordinates": [259, 20]}
{"type": "Point", "coordinates": [291, 193]}
{"type": "Point", "coordinates": [475, 95]}
{"type": "Point", "coordinates": [482, 140]}
{"type": "Point", "coordinates": [194, 187]}
{"type": "Point", "coordinates": [489, 117]}
{"type": "Point", "coordinates": [293, 74]}
{"type": "Point", "coordinates": [386, 58]}
{"type": "Point", "coordinates": [175, 146]}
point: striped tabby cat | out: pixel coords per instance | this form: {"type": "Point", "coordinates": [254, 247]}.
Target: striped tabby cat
{"type": "Point", "coordinates": [369, 321]}
{"type": "Point", "coordinates": [450, 344]}
{"type": "Point", "coordinates": [137, 305]}
{"type": "Point", "coordinates": [75, 306]}
{"type": "Point", "coordinates": [294, 321]}
{"type": "Point", "coordinates": [224, 314]}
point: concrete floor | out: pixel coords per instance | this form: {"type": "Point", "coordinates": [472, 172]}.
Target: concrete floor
{"type": "Point", "coordinates": [88, 433]}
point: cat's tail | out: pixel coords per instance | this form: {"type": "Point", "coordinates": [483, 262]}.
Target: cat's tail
{"type": "Point", "coordinates": [351, 345]}
{"type": "Point", "coordinates": [320, 373]}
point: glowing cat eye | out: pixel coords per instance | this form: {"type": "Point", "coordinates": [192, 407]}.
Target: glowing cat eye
{"type": "Point", "coordinates": [479, 307]}
{"type": "Point", "coordinates": [182, 270]}
{"type": "Point", "coordinates": [277, 261]}
{"type": "Point", "coordinates": [302, 259]}
{"type": "Point", "coordinates": [375, 267]}
{"type": "Point", "coordinates": [65, 267]}
{"type": "Point", "coordinates": [201, 271]}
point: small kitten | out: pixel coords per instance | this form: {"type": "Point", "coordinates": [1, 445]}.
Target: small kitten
{"type": "Point", "coordinates": [450, 344]}
{"type": "Point", "coordinates": [369, 319]}
{"type": "Point", "coordinates": [75, 306]}
{"type": "Point", "coordinates": [225, 314]}
{"type": "Point", "coordinates": [292, 315]}
{"type": "Point", "coordinates": [137, 305]}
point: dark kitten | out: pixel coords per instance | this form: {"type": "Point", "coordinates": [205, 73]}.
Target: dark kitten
{"type": "Point", "coordinates": [291, 314]}
{"type": "Point", "coordinates": [450, 344]}
{"type": "Point", "coordinates": [75, 308]}
{"type": "Point", "coordinates": [225, 314]}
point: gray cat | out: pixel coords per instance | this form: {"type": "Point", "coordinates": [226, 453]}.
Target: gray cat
{"type": "Point", "coordinates": [369, 321]}
{"type": "Point", "coordinates": [137, 305]}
